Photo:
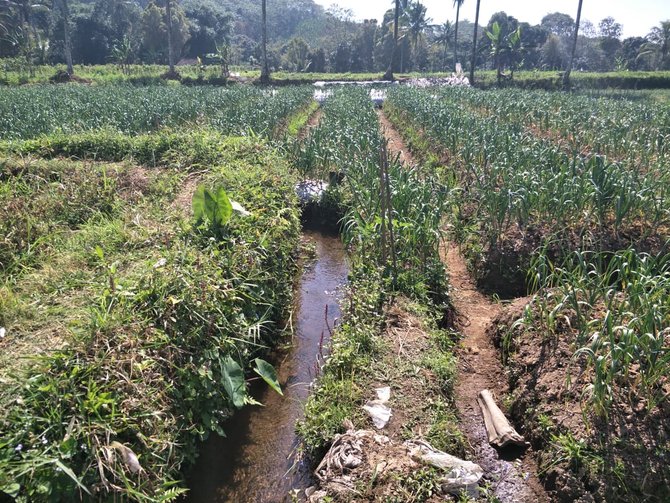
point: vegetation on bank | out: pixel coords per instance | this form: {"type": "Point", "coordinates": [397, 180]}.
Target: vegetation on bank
{"type": "Point", "coordinates": [128, 325]}
{"type": "Point", "coordinates": [390, 258]}
{"type": "Point", "coordinates": [193, 75]}
{"type": "Point", "coordinates": [154, 313]}
{"type": "Point", "coordinates": [571, 191]}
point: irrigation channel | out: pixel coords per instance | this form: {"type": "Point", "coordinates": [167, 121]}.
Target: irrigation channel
{"type": "Point", "coordinates": [257, 461]}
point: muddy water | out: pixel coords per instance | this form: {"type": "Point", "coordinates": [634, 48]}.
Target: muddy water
{"type": "Point", "coordinates": [256, 462]}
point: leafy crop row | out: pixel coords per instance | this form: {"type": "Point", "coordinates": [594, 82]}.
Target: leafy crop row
{"type": "Point", "coordinates": [392, 227]}
{"type": "Point", "coordinates": [29, 112]}
{"type": "Point", "coordinates": [591, 219]}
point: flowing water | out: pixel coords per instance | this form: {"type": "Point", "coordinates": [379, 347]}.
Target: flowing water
{"type": "Point", "coordinates": [256, 462]}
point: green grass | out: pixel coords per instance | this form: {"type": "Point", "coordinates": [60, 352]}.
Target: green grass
{"type": "Point", "coordinates": [298, 121]}
{"type": "Point", "coordinates": [551, 80]}
{"type": "Point", "coordinates": [146, 307]}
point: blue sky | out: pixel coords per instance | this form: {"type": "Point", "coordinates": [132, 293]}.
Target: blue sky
{"type": "Point", "coordinates": [637, 17]}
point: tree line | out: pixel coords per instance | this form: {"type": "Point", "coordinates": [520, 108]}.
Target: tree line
{"type": "Point", "coordinates": [304, 37]}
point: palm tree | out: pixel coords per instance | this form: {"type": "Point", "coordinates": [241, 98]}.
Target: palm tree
{"type": "Point", "coordinates": [659, 43]}
{"type": "Point", "coordinates": [474, 48]}
{"type": "Point", "coordinates": [402, 18]}
{"type": "Point", "coordinates": [444, 37]}
{"type": "Point", "coordinates": [265, 70]}
{"type": "Point", "coordinates": [417, 23]}
{"type": "Point", "coordinates": [65, 9]}
{"type": "Point", "coordinates": [19, 27]}
{"type": "Point", "coordinates": [389, 72]}
{"type": "Point", "coordinates": [457, 4]}
{"type": "Point", "coordinates": [503, 46]}
{"type": "Point", "coordinates": [566, 77]}
{"type": "Point", "coordinates": [168, 14]}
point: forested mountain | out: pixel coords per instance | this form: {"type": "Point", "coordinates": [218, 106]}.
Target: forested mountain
{"type": "Point", "coordinates": [304, 36]}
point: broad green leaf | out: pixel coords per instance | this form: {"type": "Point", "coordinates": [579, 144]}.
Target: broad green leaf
{"type": "Point", "coordinates": [224, 207]}
{"type": "Point", "coordinates": [198, 203]}
{"type": "Point", "coordinates": [233, 381]}
{"type": "Point", "coordinates": [268, 373]}
{"type": "Point", "coordinates": [215, 207]}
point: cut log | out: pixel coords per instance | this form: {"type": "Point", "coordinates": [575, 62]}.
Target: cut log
{"type": "Point", "coordinates": [500, 432]}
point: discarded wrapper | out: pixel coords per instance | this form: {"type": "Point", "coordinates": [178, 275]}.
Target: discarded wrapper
{"type": "Point", "coordinates": [460, 475]}
{"type": "Point", "coordinates": [239, 208]}
{"type": "Point", "coordinates": [378, 410]}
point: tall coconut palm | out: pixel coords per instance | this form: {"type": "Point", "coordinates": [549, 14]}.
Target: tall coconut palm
{"type": "Point", "coordinates": [18, 27]}
{"type": "Point", "coordinates": [168, 14]}
{"type": "Point", "coordinates": [265, 69]}
{"type": "Point", "coordinates": [444, 36]}
{"type": "Point", "coordinates": [417, 23]}
{"type": "Point", "coordinates": [457, 4]}
{"type": "Point", "coordinates": [65, 9]}
{"type": "Point", "coordinates": [402, 18]}
{"type": "Point", "coordinates": [659, 45]}
{"type": "Point", "coordinates": [566, 77]}
{"type": "Point", "coordinates": [474, 47]}
{"type": "Point", "coordinates": [389, 72]}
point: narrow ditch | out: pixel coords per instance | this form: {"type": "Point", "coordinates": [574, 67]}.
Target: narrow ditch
{"type": "Point", "coordinates": [257, 461]}
{"type": "Point", "coordinates": [512, 474]}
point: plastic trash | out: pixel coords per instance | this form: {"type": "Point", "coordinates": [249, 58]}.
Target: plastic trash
{"type": "Point", "coordinates": [499, 431]}
{"type": "Point", "coordinates": [2, 332]}
{"type": "Point", "coordinates": [239, 208]}
{"type": "Point", "coordinates": [378, 410]}
{"type": "Point", "coordinates": [310, 190]}
{"type": "Point", "coordinates": [128, 456]}
{"type": "Point", "coordinates": [460, 475]}
{"type": "Point", "coordinates": [346, 453]}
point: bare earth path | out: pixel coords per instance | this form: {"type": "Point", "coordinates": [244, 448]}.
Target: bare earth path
{"type": "Point", "coordinates": [313, 122]}
{"type": "Point", "coordinates": [479, 368]}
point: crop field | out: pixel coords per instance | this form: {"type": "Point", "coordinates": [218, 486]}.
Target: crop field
{"type": "Point", "coordinates": [567, 197]}
{"type": "Point", "coordinates": [121, 314]}
{"type": "Point", "coordinates": [552, 170]}
{"type": "Point", "coordinates": [150, 247]}
{"type": "Point", "coordinates": [46, 110]}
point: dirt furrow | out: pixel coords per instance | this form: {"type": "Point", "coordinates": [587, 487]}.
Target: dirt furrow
{"type": "Point", "coordinates": [511, 474]}
{"type": "Point", "coordinates": [313, 122]}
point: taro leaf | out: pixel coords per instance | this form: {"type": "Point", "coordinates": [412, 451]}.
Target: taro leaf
{"type": "Point", "coordinates": [268, 373]}
{"type": "Point", "coordinates": [223, 206]}
{"type": "Point", "coordinates": [233, 381]}
{"type": "Point", "coordinates": [215, 207]}
{"type": "Point", "coordinates": [199, 211]}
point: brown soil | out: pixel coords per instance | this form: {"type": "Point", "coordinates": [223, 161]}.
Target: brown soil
{"type": "Point", "coordinates": [313, 121]}
{"type": "Point", "coordinates": [502, 268]}
{"type": "Point", "coordinates": [396, 144]}
{"type": "Point", "coordinates": [479, 368]}
{"type": "Point", "coordinates": [386, 471]}
{"type": "Point", "coordinates": [182, 201]}
{"type": "Point", "coordinates": [62, 77]}
{"type": "Point", "coordinates": [133, 183]}
{"type": "Point", "coordinates": [623, 457]}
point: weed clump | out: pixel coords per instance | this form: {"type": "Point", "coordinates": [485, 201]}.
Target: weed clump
{"type": "Point", "coordinates": [169, 312]}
